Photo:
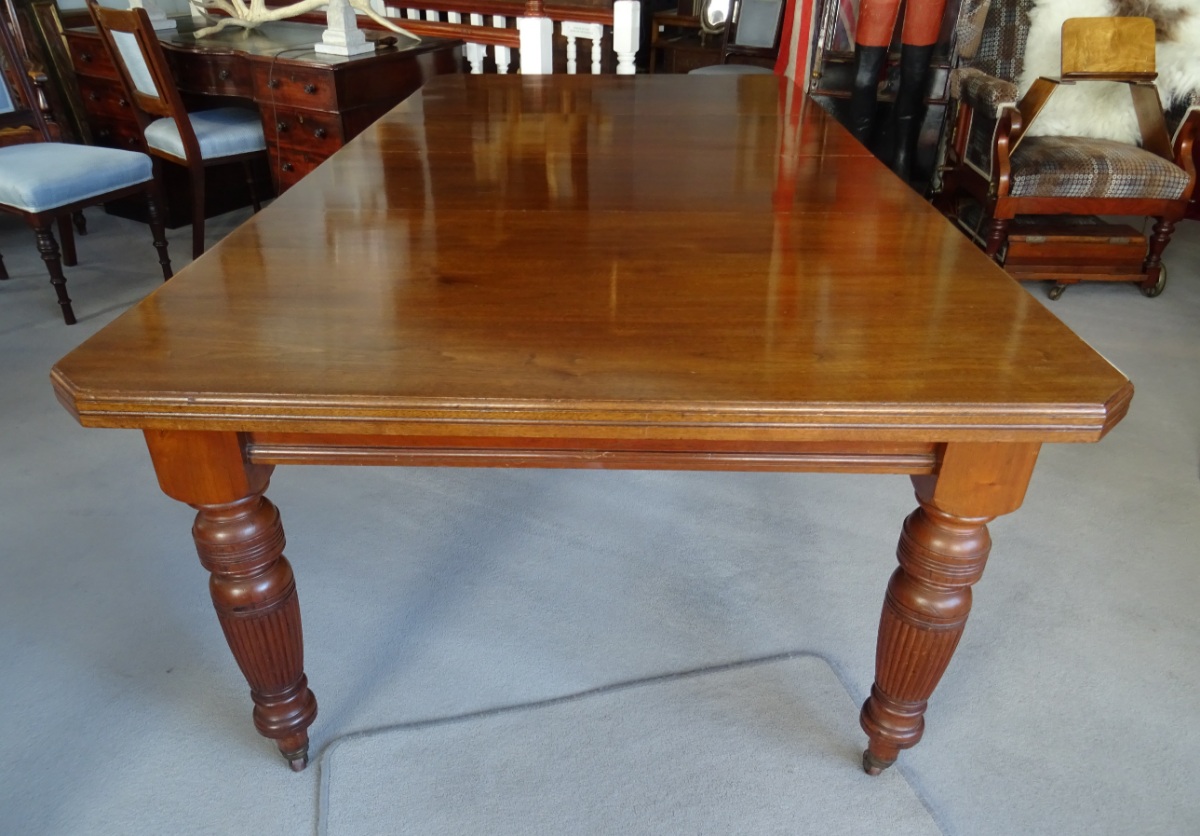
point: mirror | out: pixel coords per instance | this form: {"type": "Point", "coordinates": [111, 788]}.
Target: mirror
{"type": "Point", "coordinates": [714, 14]}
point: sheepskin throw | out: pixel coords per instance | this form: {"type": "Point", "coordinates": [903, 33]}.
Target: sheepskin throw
{"type": "Point", "coordinates": [1102, 109]}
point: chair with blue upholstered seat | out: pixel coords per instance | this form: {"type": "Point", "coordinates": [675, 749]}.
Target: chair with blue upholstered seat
{"type": "Point", "coordinates": [47, 182]}
{"type": "Point", "coordinates": [193, 140]}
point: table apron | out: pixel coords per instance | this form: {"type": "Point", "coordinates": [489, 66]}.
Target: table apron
{"type": "Point", "coordinates": [618, 454]}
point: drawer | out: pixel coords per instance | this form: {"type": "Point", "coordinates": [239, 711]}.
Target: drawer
{"type": "Point", "coordinates": [1080, 246]}
{"type": "Point", "coordinates": [104, 97]}
{"type": "Point", "coordinates": [89, 57]}
{"type": "Point", "coordinates": [210, 74]}
{"type": "Point", "coordinates": [304, 87]}
{"type": "Point", "coordinates": [113, 132]}
{"type": "Point", "coordinates": [309, 130]}
{"type": "Point", "coordinates": [294, 164]}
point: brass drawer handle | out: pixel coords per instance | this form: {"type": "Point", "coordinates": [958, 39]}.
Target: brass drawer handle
{"type": "Point", "coordinates": [223, 75]}
{"type": "Point", "coordinates": [273, 84]}
{"type": "Point", "coordinates": [281, 126]}
{"type": "Point", "coordinates": [93, 96]}
{"type": "Point", "coordinates": [310, 88]}
{"type": "Point", "coordinates": [319, 133]}
{"type": "Point", "coordinates": [85, 57]}
{"type": "Point", "coordinates": [286, 166]}
{"type": "Point", "coordinates": [122, 102]}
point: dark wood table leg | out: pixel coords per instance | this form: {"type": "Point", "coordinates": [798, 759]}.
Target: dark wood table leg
{"type": "Point", "coordinates": [239, 538]}
{"type": "Point", "coordinates": [943, 547]}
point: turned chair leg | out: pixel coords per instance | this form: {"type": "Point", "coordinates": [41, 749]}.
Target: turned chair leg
{"type": "Point", "coordinates": [48, 248]}
{"type": "Point", "coordinates": [68, 241]}
{"type": "Point", "coordinates": [1152, 267]}
{"type": "Point", "coordinates": [249, 172]}
{"type": "Point", "coordinates": [157, 229]}
{"type": "Point", "coordinates": [997, 235]}
{"type": "Point", "coordinates": [80, 221]}
{"type": "Point", "coordinates": [197, 212]}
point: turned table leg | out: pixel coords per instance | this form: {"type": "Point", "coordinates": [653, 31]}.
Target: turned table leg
{"type": "Point", "coordinates": [239, 538]}
{"type": "Point", "coordinates": [254, 593]}
{"type": "Point", "coordinates": [943, 547]}
{"type": "Point", "coordinates": [924, 613]}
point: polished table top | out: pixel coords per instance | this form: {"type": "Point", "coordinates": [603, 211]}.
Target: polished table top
{"type": "Point", "coordinates": [666, 257]}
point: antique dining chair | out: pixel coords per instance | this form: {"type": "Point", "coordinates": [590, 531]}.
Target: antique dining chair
{"type": "Point", "coordinates": [191, 139]}
{"type": "Point", "coordinates": [997, 173]}
{"type": "Point", "coordinates": [47, 182]}
{"type": "Point", "coordinates": [750, 34]}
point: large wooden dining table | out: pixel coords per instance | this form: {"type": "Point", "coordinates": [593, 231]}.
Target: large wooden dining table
{"type": "Point", "coordinates": [665, 272]}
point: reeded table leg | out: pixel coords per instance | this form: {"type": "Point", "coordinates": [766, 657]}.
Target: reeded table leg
{"type": "Point", "coordinates": [239, 538]}
{"type": "Point", "coordinates": [254, 593]}
{"type": "Point", "coordinates": [924, 613]}
{"type": "Point", "coordinates": [943, 548]}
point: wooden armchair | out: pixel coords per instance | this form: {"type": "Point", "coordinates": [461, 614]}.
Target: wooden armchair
{"type": "Point", "coordinates": [994, 167]}
{"type": "Point", "coordinates": [47, 182]}
{"type": "Point", "coordinates": [193, 140]}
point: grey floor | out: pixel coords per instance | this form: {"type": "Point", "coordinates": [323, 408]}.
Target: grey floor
{"type": "Point", "coordinates": [1072, 706]}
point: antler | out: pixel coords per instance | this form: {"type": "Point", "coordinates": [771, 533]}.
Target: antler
{"type": "Point", "coordinates": [257, 13]}
{"type": "Point", "coordinates": [364, 6]}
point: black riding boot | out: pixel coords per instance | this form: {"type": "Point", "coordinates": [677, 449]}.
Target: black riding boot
{"type": "Point", "coordinates": [906, 112]}
{"type": "Point", "coordinates": [868, 63]}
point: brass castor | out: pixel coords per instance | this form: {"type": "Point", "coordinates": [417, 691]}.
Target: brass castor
{"type": "Point", "coordinates": [873, 765]}
{"type": "Point", "coordinates": [299, 762]}
{"type": "Point", "coordinates": [1156, 288]}
{"type": "Point", "coordinates": [1056, 291]}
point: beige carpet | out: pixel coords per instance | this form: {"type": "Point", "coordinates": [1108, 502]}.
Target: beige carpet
{"type": "Point", "coordinates": [762, 747]}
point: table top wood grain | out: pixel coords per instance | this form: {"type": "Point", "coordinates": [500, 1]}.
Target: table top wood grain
{"type": "Point", "coordinates": [627, 257]}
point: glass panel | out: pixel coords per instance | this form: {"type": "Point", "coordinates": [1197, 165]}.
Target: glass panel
{"type": "Point", "coordinates": [135, 63]}
{"type": "Point", "coordinates": [844, 26]}
{"type": "Point", "coordinates": [714, 14]}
